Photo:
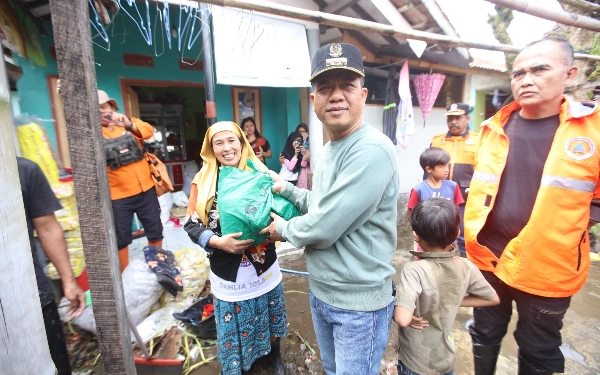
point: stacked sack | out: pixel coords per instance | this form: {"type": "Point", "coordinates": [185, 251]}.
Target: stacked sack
{"type": "Point", "coordinates": [68, 218]}
{"type": "Point", "coordinates": [36, 147]}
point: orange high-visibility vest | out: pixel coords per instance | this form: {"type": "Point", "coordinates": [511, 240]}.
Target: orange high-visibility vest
{"type": "Point", "coordinates": [551, 255]}
{"type": "Point", "coordinates": [462, 156]}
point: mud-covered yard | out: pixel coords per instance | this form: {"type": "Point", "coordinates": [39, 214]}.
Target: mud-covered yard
{"type": "Point", "coordinates": [581, 331]}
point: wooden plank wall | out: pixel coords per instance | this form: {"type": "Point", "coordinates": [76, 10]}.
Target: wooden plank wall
{"type": "Point", "coordinates": [23, 344]}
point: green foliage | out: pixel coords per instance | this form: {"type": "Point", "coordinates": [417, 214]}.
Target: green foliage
{"type": "Point", "coordinates": [594, 75]}
{"type": "Point", "coordinates": [500, 22]}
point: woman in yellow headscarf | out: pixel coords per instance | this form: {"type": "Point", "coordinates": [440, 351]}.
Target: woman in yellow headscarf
{"type": "Point", "coordinates": [249, 304]}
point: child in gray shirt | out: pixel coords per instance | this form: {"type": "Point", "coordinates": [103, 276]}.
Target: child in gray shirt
{"type": "Point", "coordinates": [432, 289]}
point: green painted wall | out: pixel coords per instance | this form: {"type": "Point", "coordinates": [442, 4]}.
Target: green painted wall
{"type": "Point", "coordinates": [280, 107]}
{"type": "Point", "coordinates": [280, 116]}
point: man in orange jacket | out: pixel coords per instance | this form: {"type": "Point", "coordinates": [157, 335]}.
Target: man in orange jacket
{"type": "Point", "coordinates": [131, 187]}
{"type": "Point", "coordinates": [530, 206]}
{"type": "Point", "coordinates": [461, 143]}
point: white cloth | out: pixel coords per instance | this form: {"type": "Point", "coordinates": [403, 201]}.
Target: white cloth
{"type": "Point", "coordinates": [247, 285]}
{"type": "Point", "coordinates": [287, 175]}
{"type": "Point", "coordinates": [405, 121]}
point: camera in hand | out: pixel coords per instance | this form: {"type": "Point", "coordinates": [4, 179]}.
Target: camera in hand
{"type": "Point", "coordinates": [106, 116]}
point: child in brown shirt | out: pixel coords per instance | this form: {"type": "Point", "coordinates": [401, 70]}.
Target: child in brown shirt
{"type": "Point", "coordinates": [432, 289]}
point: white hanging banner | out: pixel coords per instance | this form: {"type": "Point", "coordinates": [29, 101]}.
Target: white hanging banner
{"type": "Point", "coordinates": [255, 50]}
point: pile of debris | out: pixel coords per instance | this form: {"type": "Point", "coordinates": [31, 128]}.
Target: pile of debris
{"type": "Point", "coordinates": [168, 300]}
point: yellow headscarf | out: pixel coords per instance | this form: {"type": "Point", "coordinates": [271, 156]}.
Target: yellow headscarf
{"type": "Point", "coordinates": [206, 179]}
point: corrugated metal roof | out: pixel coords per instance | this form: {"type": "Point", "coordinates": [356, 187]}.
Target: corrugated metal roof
{"type": "Point", "coordinates": [488, 64]}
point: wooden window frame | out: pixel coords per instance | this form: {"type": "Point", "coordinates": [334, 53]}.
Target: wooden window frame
{"type": "Point", "coordinates": [237, 116]}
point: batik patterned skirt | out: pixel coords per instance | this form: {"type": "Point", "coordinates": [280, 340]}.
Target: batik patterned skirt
{"type": "Point", "coordinates": [244, 329]}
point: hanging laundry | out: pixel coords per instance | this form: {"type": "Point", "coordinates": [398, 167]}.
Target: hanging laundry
{"type": "Point", "coordinates": [390, 110]}
{"type": "Point", "coordinates": [405, 120]}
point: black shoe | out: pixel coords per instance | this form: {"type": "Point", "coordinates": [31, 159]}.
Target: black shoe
{"type": "Point", "coordinates": [275, 359]}
{"type": "Point", "coordinates": [192, 317]}
{"type": "Point", "coordinates": [526, 368]}
{"type": "Point", "coordinates": [484, 358]}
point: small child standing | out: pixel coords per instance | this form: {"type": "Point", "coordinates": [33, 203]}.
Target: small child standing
{"type": "Point", "coordinates": [434, 162]}
{"type": "Point", "coordinates": [432, 289]}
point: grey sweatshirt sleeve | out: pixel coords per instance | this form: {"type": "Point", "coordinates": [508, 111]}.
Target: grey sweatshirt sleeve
{"type": "Point", "coordinates": [299, 197]}
{"type": "Point", "coordinates": [359, 186]}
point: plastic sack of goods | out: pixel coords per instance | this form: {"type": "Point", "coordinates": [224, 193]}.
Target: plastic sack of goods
{"type": "Point", "coordinates": [246, 202]}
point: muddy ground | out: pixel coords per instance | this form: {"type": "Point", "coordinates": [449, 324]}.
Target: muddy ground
{"type": "Point", "coordinates": [581, 332]}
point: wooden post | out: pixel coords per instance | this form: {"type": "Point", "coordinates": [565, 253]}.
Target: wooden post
{"type": "Point", "coordinates": [23, 344]}
{"type": "Point", "coordinates": [72, 37]}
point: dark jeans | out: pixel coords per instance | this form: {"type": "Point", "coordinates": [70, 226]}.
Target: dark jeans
{"type": "Point", "coordinates": [538, 328]}
{"type": "Point", "coordinates": [147, 208]}
{"type": "Point", "coordinates": [56, 339]}
{"type": "Point", "coordinates": [403, 370]}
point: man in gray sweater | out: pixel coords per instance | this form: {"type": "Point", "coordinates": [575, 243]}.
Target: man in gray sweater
{"type": "Point", "coordinates": [348, 227]}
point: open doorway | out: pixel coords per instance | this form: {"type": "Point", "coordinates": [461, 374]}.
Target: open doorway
{"type": "Point", "coordinates": [177, 111]}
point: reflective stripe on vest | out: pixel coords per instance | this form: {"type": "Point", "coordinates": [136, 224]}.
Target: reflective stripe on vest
{"type": "Point", "coordinates": [490, 178]}
{"type": "Point", "coordinates": [568, 183]}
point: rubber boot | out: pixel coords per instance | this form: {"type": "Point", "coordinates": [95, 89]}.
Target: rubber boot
{"type": "Point", "coordinates": [484, 358]}
{"type": "Point", "coordinates": [275, 359]}
{"type": "Point", "coordinates": [123, 258]}
{"type": "Point", "coordinates": [526, 368]}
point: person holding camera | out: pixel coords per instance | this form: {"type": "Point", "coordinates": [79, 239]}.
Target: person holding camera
{"type": "Point", "coordinates": [294, 159]}
{"type": "Point", "coordinates": [131, 186]}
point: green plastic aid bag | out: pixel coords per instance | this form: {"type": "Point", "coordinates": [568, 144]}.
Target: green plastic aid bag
{"type": "Point", "coordinates": [245, 202]}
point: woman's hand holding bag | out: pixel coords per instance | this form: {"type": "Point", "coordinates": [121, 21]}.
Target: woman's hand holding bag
{"type": "Point", "coordinates": [230, 243]}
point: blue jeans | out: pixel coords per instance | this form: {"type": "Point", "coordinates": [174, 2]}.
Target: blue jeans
{"type": "Point", "coordinates": [403, 370]}
{"type": "Point", "coordinates": [351, 342]}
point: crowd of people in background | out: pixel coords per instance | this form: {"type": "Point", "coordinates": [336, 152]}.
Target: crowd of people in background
{"type": "Point", "coordinates": [481, 199]}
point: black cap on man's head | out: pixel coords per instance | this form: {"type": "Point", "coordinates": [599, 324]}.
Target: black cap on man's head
{"type": "Point", "coordinates": [457, 109]}
{"type": "Point", "coordinates": [337, 56]}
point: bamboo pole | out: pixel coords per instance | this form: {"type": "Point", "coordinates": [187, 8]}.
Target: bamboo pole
{"type": "Point", "coordinates": [368, 26]}
{"type": "Point", "coordinates": [560, 16]}
{"type": "Point", "coordinates": [581, 4]}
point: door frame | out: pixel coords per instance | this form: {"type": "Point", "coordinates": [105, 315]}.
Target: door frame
{"type": "Point", "coordinates": [60, 125]}
{"type": "Point", "coordinates": [126, 83]}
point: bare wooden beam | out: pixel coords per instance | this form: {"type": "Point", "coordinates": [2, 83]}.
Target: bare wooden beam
{"type": "Point", "coordinates": [339, 5]}
{"type": "Point", "coordinates": [366, 16]}
{"type": "Point", "coordinates": [541, 11]}
{"type": "Point", "coordinates": [582, 4]}
{"type": "Point", "coordinates": [321, 3]}
{"type": "Point", "coordinates": [363, 40]}
{"type": "Point", "coordinates": [70, 22]}
{"type": "Point", "coordinates": [348, 37]}
{"type": "Point", "coordinates": [437, 67]}
{"type": "Point", "coordinates": [440, 18]}
{"type": "Point", "coordinates": [23, 344]}
{"type": "Point", "coordinates": [362, 25]}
